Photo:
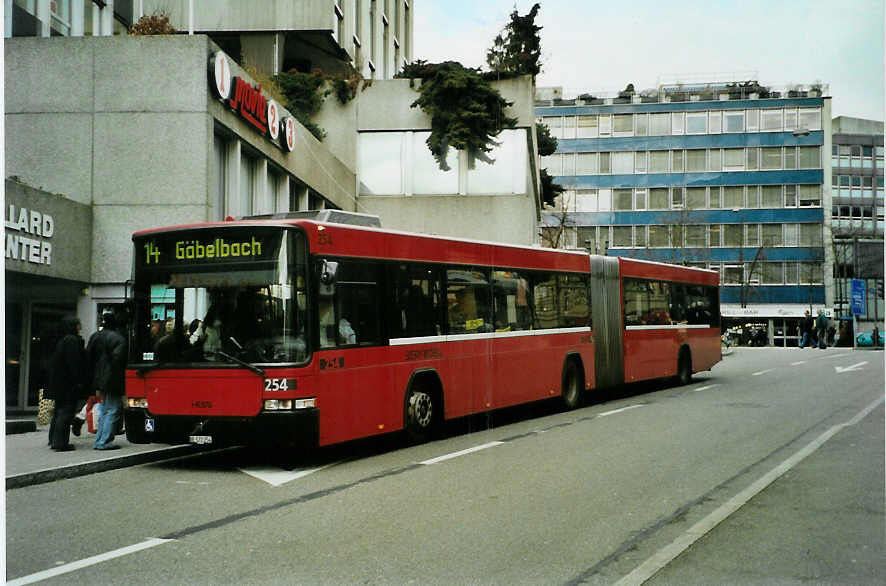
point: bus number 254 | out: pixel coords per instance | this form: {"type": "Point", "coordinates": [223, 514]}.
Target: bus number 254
{"type": "Point", "coordinates": [279, 384]}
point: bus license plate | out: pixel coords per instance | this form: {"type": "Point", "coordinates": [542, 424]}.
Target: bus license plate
{"type": "Point", "coordinates": [200, 439]}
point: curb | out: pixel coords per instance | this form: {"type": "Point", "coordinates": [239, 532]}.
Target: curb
{"type": "Point", "coordinates": [20, 426]}
{"type": "Point", "coordinates": [85, 468]}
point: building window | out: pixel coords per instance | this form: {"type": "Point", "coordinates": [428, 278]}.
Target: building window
{"type": "Point", "coordinates": [714, 231]}
{"type": "Point", "coordinates": [339, 23]}
{"type": "Point", "coordinates": [733, 197]}
{"type": "Point", "coordinates": [810, 118]}
{"type": "Point", "coordinates": [752, 119]}
{"type": "Point", "coordinates": [621, 236]}
{"type": "Point", "coordinates": [716, 122]}
{"type": "Point", "coordinates": [587, 127]}
{"type": "Point", "coordinates": [770, 158]}
{"type": "Point", "coordinates": [733, 159]}
{"type": "Point", "coordinates": [380, 168]}
{"type": "Point", "coordinates": [622, 163]}
{"type": "Point", "coordinates": [696, 198]}
{"type": "Point", "coordinates": [659, 161]}
{"type": "Point", "coordinates": [752, 234]}
{"type": "Point", "coordinates": [427, 177]}
{"type": "Point", "coordinates": [677, 123]}
{"type": "Point", "coordinates": [640, 162]}
{"type": "Point", "coordinates": [658, 237]}
{"type": "Point", "coordinates": [659, 124]}
{"type": "Point", "coordinates": [791, 234]}
{"type": "Point", "coordinates": [772, 196]}
{"type": "Point", "coordinates": [623, 124]}
{"type": "Point", "coordinates": [248, 166]}
{"type": "Point", "coordinates": [771, 120]}
{"type": "Point", "coordinates": [772, 235]}
{"type": "Point", "coordinates": [734, 121]}
{"type": "Point", "coordinates": [641, 122]}
{"type": "Point", "coordinates": [677, 161]}
{"type": "Point", "coordinates": [622, 199]}
{"type": "Point", "coordinates": [790, 119]}
{"type": "Point", "coordinates": [696, 236]}
{"type": "Point", "coordinates": [695, 161]}
{"type": "Point", "coordinates": [586, 164]}
{"type": "Point", "coordinates": [677, 198]}
{"type": "Point", "coordinates": [658, 198]}
{"type": "Point", "coordinates": [605, 125]}
{"type": "Point", "coordinates": [809, 157]}
{"type": "Point", "coordinates": [732, 235]}
{"type": "Point", "coordinates": [696, 123]}
{"type": "Point", "coordinates": [715, 160]}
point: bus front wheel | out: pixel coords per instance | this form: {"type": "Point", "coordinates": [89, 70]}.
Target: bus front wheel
{"type": "Point", "coordinates": [420, 413]}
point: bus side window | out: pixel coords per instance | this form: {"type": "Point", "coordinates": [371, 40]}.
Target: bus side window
{"type": "Point", "coordinates": [413, 301]}
{"type": "Point", "coordinates": [467, 296]}
{"type": "Point", "coordinates": [574, 308]}
{"type": "Point", "coordinates": [511, 301]}
{"type": "Point", "coordinates": [351, 316]}
{"type": "Point", "coordinates": [544, 294]}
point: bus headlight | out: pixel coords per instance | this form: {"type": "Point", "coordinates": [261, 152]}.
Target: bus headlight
{"type": "Point", "coordinates": [137, 402]}
{"type": "Point", "coordinates": [306, 403]}
{"type": "Point", "coordinates": [278, 404]}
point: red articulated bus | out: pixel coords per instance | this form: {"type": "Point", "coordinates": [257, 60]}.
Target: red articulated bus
{"type": "Point", "coordinates": [312, 333]}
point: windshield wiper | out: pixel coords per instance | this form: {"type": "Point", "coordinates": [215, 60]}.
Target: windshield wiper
{"type": "Point", "coordinates": [243, 363]}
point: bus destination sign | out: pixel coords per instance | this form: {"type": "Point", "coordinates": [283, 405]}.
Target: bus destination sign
{"type": "Point", "coordinates": [210, 248]}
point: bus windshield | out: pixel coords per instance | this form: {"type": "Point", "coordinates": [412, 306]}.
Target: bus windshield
{"type": "Point", "coordinates": [220, 295]}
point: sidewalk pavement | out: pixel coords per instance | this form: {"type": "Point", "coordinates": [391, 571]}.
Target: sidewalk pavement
{"type": "Point", "coordinates": [29, 460]}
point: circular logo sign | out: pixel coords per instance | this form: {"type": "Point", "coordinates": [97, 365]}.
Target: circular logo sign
{"type": "Point", "coordinates": [288, 127]}
{"type": "Point", "coordinates": [222, 75]}
{"type": "Point", "coordinates": [273, 119]}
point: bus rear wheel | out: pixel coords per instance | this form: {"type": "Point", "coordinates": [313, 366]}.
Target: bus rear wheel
{"type": "Point", "coordinates": [420, 413]}
{"type": "Point", "coordinates": [571, 394]}
{"type": "Point", "coordinates": [684, 368]}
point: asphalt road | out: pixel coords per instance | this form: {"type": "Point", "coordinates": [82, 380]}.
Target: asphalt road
{"type": "Point", "coordinates": [769, 469]}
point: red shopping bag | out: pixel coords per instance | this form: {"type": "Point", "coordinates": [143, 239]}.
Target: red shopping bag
{"type": "Point", "coordinates": [92, 414]}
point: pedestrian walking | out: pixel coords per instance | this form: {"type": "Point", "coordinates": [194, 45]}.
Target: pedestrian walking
{"type": "Point", "coordinates": [68, 375]}
{"type": "Point", "coordinates": [821, 329]}
{"type": "Point", "coordinates": [806, 326]}
{"type": "Point", "coordinates": [107, 354]}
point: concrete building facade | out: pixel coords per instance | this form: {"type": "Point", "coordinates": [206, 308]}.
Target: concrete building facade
{"type": "Point", "coordinates": [725, 176]}
{"type": "Point", "coordinates": [857, 211]}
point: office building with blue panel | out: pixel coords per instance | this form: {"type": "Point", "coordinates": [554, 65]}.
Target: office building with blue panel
{"type": "Point", "coordinates": [725, 176]}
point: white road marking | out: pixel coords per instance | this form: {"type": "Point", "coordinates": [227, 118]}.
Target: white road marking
{"type": "Point", "coordinates": [837, 355]}
{"type": "Point", "coordinates": [798, 363]}
{"type": "Point", "coordinates": [667, 554]}
{"type": "Point", "coordinates": [706, 387]}
{"type": "Point", "coordinates": [461, 453]}
{"type": "Point", "coordinates": [90, 561]}
{"type": "Point", "coordinates": [278, 476]}
{"type": "Point", "coordinates": [762, 372]}
{"type": "Point", "coordinates": [620, 410]}
{"type": "Point", "coordinates": [854, 367]}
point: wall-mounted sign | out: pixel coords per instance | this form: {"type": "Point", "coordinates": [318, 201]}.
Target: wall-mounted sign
{"type": "Point", "coordinates": [31, 244]}
{"type": "Point", "coordinates": [250, 104]}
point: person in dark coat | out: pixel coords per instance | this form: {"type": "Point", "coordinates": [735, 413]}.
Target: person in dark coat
{"type": "Point", "coordinates": [107, 355]}
{"type": "Point", "coordinates": [68, 376]}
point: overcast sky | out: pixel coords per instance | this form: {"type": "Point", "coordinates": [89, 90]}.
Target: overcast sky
{"type": "Point", "coordinates": [595, 45]}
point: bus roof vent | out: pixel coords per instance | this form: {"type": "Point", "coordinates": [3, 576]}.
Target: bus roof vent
{"type": "Point", "coordinates": [329, 216]}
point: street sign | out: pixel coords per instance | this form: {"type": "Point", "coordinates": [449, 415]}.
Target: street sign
{"type": "Point", "coordinates": [857, 296]}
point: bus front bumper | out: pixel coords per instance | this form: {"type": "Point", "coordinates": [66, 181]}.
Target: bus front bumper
{"type": "Point", "coordinates": [286, 428]}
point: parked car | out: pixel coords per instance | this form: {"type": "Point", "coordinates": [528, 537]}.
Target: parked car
{"type": "Point", "coordinates": [867, 339]}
